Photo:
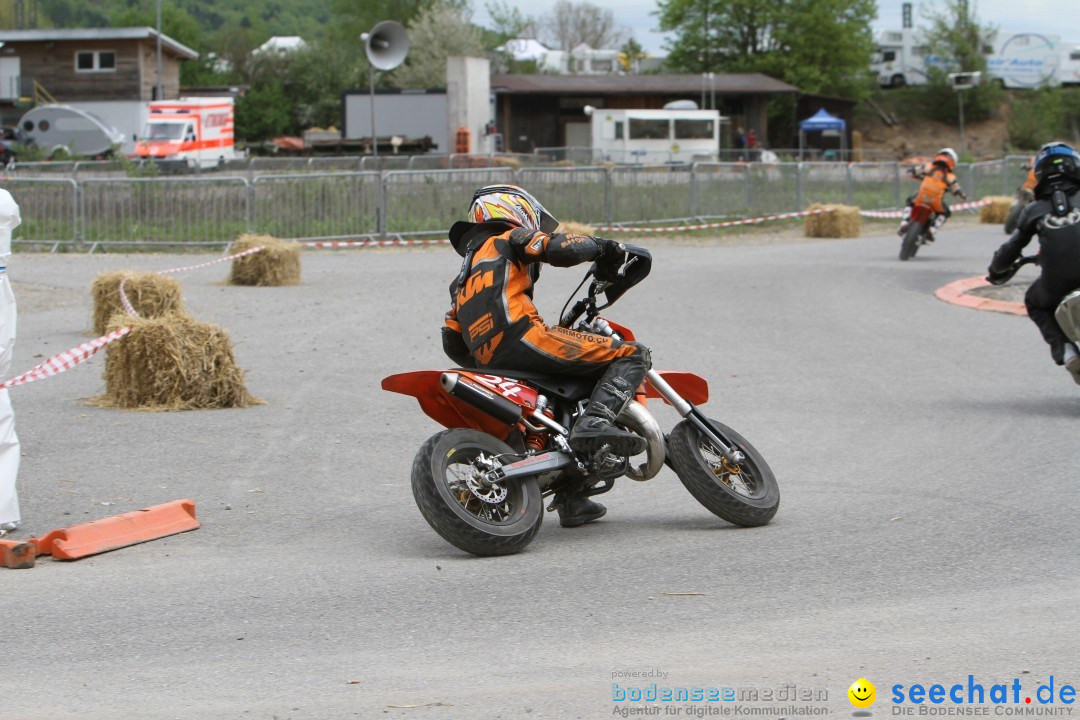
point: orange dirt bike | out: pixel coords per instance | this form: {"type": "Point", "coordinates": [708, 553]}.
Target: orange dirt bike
{"type": "Point", "coordinates": [920, 218]}
{"type": "Point", "coordinates": [480, 483]}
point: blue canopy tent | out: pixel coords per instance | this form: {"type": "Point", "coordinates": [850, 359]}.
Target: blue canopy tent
{"type": "Point", "coordinates": [822, 121]}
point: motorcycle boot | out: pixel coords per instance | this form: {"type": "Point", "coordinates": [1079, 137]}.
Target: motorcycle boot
{"type": "Point", "coordinates": [938, 223]}
{"type": "Point", "coordinates": [577, 511]}
{"type": "Point", "coordinates": [1072, 361]}
{"type": "Point", "coordinates": [904, 225]}
{"type": "Point", "coordinates": [594, 428]}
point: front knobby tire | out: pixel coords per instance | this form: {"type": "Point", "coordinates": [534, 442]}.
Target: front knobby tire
{"type": "Point", "coordinates": [748, 497]}
{"type": "Point", "coordinates": [910, 244]}
{"type": "Point", "coordinates": [439, 474]}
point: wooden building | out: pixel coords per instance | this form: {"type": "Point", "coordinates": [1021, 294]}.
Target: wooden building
{"type": "Point", "coordinates": [548, 110]}
{"type": "Point", "coordinates": [95, 64]}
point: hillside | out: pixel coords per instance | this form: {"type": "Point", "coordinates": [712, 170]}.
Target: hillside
{"type": "Point", "coordinates": [264, 18]}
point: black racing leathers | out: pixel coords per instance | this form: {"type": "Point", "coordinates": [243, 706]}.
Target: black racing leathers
{"type": "Point", "coordinates": [1059, 258]}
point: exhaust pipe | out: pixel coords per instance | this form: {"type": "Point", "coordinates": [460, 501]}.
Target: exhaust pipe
{"type": "Point", "coordinates": [481, 398]}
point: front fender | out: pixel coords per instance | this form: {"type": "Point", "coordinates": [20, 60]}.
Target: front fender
{"type": "Point", "coordinates": [692, 388]}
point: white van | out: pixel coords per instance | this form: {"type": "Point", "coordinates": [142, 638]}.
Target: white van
{"type": "Point", "coordinates": [198, 131]}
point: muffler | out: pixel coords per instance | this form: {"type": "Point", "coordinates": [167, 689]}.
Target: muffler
{"type": "Point", "coordinates": [480, 397]}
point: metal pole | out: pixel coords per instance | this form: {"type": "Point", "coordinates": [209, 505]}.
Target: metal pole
{"type": "Point", "coordinates": [963, 140]}
{"type": "Point", "coordinates": [160, 91]}
{"type": "Point", "coordinates": [374, 137]}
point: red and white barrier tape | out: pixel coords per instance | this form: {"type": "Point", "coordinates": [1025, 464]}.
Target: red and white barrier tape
{"type": "Point", "coordinates": [65, 360]}
{"type": "Point", "coordinates": [213, 262]}
{"type": "Point", "coordinates": [70, 358]}
{"type": "Point", "coordinates": [399, 242]}
{"type": "Point", "coordinates": [128, 307]}
{"type": "Point", "coordinates": [709, 226]}
{"type": "Point", "coordinates": [974, 204]}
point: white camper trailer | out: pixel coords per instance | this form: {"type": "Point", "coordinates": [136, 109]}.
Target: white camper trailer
{"type": "Point", "coordinates": [66, 129]}
{"type": "Point", "coordinates": [650, 136]}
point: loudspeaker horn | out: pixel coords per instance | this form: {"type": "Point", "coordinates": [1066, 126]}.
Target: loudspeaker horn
{"type": "Point", "coordinates": [386, 45]}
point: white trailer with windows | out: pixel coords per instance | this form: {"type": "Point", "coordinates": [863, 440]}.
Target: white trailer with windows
{"type": "Point", "coordinates": [1014, 59]}
{"type": "Point", "coordinates": [649, 136]}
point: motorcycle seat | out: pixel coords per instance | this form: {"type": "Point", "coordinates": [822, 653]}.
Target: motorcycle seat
{"type": "Point", "coordinates": [565, 387]}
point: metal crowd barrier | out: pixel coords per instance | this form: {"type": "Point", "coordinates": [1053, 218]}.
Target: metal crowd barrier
{"type": "Point", "coordinates": [94, 209]}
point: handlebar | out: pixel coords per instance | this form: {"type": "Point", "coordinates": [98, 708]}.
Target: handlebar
{"type": "Point", "coordinates": [635, 267]}
{"type": "Point", "coordinates": [1008, 274]}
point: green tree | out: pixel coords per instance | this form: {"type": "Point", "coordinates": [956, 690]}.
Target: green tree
{"type": "Point", "coordinates": [631, 55]}
{"type": "Point", "coordinates": [509, 22]}
{"type": "Point", "coordinates": [820, 46]}
{"type": "Point", "coordinates": [263, 112]}
{"type": "Point", "coordinates": [959, 42]}
{"type": "Point", "coordinates": [182, 27]}
{"type": "Point", "coordinates": [439, 32]}
{"type": "Point", "coordinates": [316, 77]}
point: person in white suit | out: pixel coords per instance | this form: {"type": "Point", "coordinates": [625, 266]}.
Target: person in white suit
{"type": "Point", "coordinates": [9, 442]}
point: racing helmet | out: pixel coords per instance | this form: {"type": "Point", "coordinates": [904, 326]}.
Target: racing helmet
{"type": "Point", "coordinates": [1055, 162]}
{"type": "Point", "coordinates": [512, 204]}
{"type": "Point", "coordinates": [948, 157]}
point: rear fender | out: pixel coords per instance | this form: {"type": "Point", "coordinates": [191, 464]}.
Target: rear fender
{"type": "Point", "coordinates": [692, 388]}
{"type": "Point", "coordinates": [448, 411]}
{"type": "Point", "coordinates": [920, 213]}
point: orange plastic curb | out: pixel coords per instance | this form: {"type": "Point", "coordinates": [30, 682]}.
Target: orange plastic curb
{"type": "Point", "coordinates": [17, 554]}
{"type": "Point", "coordinates": [112, 533]}
{"type": "Point", "coordinates": [956, 293]}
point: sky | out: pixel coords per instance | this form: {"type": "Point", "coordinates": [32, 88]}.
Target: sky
{"type": "Point", "coordinates": [1008, 15]}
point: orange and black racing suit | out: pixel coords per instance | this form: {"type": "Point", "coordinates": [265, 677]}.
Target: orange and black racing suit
{"type": "Point", "coordinates": [493, 322]}
{"type": "Point", "coordinates": [937, 179]}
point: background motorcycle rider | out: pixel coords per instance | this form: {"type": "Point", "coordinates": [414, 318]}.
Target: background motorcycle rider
{"type": "Point", "coordinates": [937, 177]}
{"type": "Point", "coordinates": [1055, 218]}
{"type": "Point", "coordinates": [492, 322]}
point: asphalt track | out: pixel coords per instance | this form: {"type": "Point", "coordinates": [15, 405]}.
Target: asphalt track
{"type": "Point", "coordinates": [927, 457]}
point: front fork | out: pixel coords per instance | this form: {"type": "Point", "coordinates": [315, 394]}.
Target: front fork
{"type": "Point", "coordinates": [685, 409]}
{"type": "Point", "coordinates": [689, 412]}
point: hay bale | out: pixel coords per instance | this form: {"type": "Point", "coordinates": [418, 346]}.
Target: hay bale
{"type": "Point", "coordinates": [277, 264]}
{"type": "Point", "coordinates": [151, 294]}
{"type": "Point", "coordinates": [576, 228]}
{"type": "Point", "coordinates": [172, 362]}
{"type": "Point", "coordinates": [996, 211]}
{"type": "Point", "coordinates": [841, 221]}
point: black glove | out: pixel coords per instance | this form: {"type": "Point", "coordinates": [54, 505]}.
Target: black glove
{"type": "Point", "coordinates": [998, 277]}
{"type": "Point", "coordinates": [609, 260]}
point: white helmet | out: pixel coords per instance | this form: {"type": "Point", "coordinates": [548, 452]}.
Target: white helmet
{"type": "Point", "coordinates": [951, 153]}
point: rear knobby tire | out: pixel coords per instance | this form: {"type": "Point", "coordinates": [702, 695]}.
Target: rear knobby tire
{"type": "Point", "coordinates": [458, 516]}
{"type": "Point", "coordinates": [910, 244]}
{"type": "Point", "coordinates": [749, 499]}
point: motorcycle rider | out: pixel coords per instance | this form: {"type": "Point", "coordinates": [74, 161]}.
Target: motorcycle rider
{"type": "Point", "coordinates": [937, 177]}
{"type": "Point", "coordinates": [1055, 217]}
{"type": "Point", "coordinates": [492, 322]}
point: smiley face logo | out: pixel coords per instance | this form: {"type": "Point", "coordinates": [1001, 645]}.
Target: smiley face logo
{"type": "Point", "coordinates": [862, 693]}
